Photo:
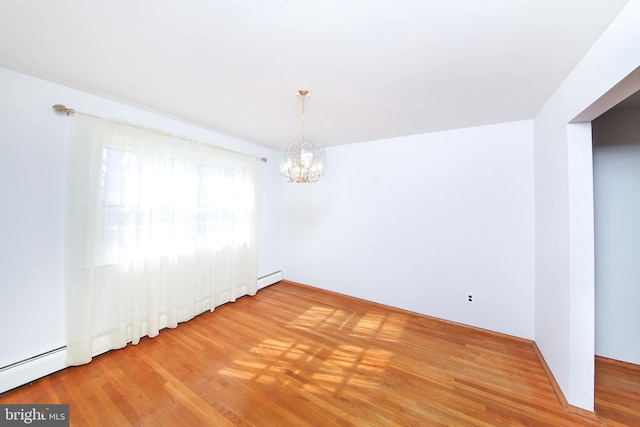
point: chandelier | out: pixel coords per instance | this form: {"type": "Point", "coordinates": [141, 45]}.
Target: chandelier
{"type": "Point", "coordinates": [302, 162]}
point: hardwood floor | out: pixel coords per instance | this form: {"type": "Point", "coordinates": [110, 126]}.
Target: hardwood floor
{"type": "Point", "coordinates": [618, 392]}
{"type": "Point", "coordinates": [295, 355]}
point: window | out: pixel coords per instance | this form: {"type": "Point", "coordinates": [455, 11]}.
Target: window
{"type": "Point", "coordinates": [159, 207]}
{"type": "Point", "coordinates": [174, 220]}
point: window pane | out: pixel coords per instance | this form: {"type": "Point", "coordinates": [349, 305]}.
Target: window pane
{"type": "Point", "coordinates": [154, 206]}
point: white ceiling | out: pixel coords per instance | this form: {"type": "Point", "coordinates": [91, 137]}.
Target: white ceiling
{"type": "Point", "coordinates": [376, 68]}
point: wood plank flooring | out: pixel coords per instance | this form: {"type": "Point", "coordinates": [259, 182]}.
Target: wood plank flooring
{"type": "Point", "coordinates": [299, 356]}
{"type": "Point", "coordinates": [618, 392]}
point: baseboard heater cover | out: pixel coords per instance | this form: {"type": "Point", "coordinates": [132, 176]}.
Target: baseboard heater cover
{"type": "Point", "coordinates": [31, 369]}
{"type": "Point", "coordinates": [269, 279]}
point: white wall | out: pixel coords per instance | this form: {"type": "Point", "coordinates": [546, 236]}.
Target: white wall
{"type": "Point", "coordinates": [616, 169]}
{"type": "Point", "coordinates": [415, 222]}
{"type": "Point", "coordinates": [564, 308]}
{"type": "Point", "coordinates": [34, 145]}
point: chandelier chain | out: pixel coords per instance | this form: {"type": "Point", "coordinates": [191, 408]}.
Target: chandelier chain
{"type": "Point", "coordinates": [302, 134]}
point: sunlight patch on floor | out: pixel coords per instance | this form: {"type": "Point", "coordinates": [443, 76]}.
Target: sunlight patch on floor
{"type": "Point", "coordinates": [318, 316]}
{"type": "Point", "coordinates": [380, 326]}
{"type": "Point", "coordinates": [235, 373]}
{"type": "Point", "coordinates": [251, 364]}
{"type": "Point", "coordinates": [283, 360]}
{"type": "Point", "coordinates": [287, 349]}
{"type": "Point", "coordinates": [383, 326]}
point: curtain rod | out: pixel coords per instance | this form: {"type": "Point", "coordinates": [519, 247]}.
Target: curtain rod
{"type": "Point", "coordinates": [64, 110]}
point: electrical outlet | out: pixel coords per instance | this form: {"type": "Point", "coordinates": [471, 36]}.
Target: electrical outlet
{"type": "Point", "coordinates": [469, 297]}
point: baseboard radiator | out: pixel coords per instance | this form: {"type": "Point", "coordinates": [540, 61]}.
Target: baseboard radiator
{"type": "Point", "coordinates": [269, 279]}
{"type": "Point", "coordinates": [33, 368]}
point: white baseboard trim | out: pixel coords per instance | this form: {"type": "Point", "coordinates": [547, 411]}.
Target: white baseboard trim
{"type": "Point", "coordinates": [32, 369]}
{"type": "Point", "coordinates": [269, 279]}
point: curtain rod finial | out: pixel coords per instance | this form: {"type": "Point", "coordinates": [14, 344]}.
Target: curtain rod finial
{"type": "Point", "coordinates": [62, 109]}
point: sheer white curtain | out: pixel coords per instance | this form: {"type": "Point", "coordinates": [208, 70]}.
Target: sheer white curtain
{"type": "Point", "coordinates": [160, 229]}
